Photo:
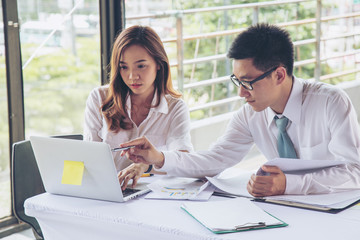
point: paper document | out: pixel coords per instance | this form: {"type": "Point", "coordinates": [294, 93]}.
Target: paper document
{"type": "Point", "coordinates": [236, 184]}
{"type": "Point", "coordinates": [238, 214]}
{"type": "Point", "coordinates": [180, 188]}
{"type": "Point", "coordinates": [291, 164]}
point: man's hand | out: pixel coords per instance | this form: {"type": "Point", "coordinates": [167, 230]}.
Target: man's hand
{"type": "Point", "coordinates": [261, 186]}
{"type": "Point", "coordinates": [143, 152]}
{"type": "Point", "coordinates": [134, 172]}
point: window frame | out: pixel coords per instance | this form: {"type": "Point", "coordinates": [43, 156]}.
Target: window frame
{"type": "Point", "coordinates": [112, 21]}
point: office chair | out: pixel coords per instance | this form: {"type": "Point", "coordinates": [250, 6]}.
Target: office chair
{"type": "Point", "coordinates": [26, 180]}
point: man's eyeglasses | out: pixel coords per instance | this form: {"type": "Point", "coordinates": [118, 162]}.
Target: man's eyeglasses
{"type": "Point", "coordinates": [248, 84]}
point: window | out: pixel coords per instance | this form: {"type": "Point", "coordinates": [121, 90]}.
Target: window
{"type": "Point", "coordinates": [5, 197]}
{"type": "Point", "coordinates": [60, 45]}
{"type": "Point", "coordinates": [60, 50]}
{"type": "Point", "coordinates": [197, 34]}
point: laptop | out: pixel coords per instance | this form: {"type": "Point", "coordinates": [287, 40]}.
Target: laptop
{"type": "Point", "coordinates": [80, 169]}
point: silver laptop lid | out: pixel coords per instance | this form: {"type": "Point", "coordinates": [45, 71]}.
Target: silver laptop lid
{"type": "Point", "coordinates": [77, 168]}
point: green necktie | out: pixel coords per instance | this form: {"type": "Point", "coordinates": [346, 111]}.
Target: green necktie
{"type": "Point", "coordinates": [285, 146]}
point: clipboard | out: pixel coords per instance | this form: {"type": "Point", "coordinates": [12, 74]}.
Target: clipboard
{"type": "Point", "coordinates": [235, 215]}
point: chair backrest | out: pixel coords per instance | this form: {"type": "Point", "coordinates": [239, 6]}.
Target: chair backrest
{"type": "Point", "coordinates": [26, 180]}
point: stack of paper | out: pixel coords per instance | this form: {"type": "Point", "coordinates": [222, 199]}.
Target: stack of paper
{"type": "Point", "coordinates": [235, 185]}
{"type": "Point", "coordinates": [180, 188]}
{"type": "Point", "coordinates": [234, 215]}
{"type": "Point", "coordinates": [333, 202]}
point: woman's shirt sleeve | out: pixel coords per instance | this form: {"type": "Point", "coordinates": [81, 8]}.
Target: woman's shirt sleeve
{"type": "Point", "coordinates": [93, 121]}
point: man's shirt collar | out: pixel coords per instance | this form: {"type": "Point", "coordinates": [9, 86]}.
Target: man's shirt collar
{"type": "Point", "coordinates": [292, 108]}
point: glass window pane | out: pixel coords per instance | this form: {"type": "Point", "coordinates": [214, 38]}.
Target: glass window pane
{"type": "Point", "coordinates": [5, 199]}
{"type": "Point", "coordinates": [207, 31]}
{"type": "Point", "coordinates": [60, 44]}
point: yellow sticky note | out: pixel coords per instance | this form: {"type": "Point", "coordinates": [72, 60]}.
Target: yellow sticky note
{"type": "Point", "coordinates": [73, 172]}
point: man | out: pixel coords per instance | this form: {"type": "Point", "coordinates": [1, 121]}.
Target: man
{"type": "Point", "coordinates": [284, 116]}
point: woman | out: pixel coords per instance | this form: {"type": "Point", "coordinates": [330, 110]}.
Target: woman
{"type": "Point", "coordinates": [139, 101]}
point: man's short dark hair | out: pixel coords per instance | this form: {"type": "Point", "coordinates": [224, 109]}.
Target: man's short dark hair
{"type": "Point", "coordinates": [268, 45]}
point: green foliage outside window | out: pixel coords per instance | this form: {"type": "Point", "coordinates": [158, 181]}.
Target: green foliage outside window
{"type": "Point", "coordinates": [236, 19]}
{"type": "Point", "coordinates": [56, 86]}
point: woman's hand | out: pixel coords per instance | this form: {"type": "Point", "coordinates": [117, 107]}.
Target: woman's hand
{"type": "Point", "coordinates": [134, 172]}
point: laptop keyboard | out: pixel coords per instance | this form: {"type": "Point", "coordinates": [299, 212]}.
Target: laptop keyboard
{"type": "Point", "coordinates": [129, 191]}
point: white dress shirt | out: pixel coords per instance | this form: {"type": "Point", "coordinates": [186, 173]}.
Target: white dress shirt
{"type": "Point", "coordinates": [322, 126]}
{"type": "Point", "coordinates": [167, 126]}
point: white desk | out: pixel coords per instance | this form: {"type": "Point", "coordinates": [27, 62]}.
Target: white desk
{"type": "Point", "coordinates": [63, 217]}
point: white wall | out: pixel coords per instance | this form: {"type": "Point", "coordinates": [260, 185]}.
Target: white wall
{"type": "Point", "coordinates": [206, 131]}
{"type": "Point", "coordinates": [353, 90]}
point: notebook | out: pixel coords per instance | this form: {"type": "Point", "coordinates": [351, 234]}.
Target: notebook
{"type": "Point", "coordinates": [80, 169]}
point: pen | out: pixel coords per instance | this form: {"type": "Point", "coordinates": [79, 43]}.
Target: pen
{"type": "Point", "coordinates": [147, 175]}
{"type": "Point", "coordinates": [219, 194]}
{"type": "Point", "coordinates": [121, 148]}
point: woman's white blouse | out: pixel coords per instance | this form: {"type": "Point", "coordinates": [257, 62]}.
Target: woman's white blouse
{"type": "Point", "coordinates": [167, 126]}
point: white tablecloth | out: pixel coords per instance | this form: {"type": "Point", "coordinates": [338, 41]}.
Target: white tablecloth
{"type": "Point", "coordinates": [62, 217]}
